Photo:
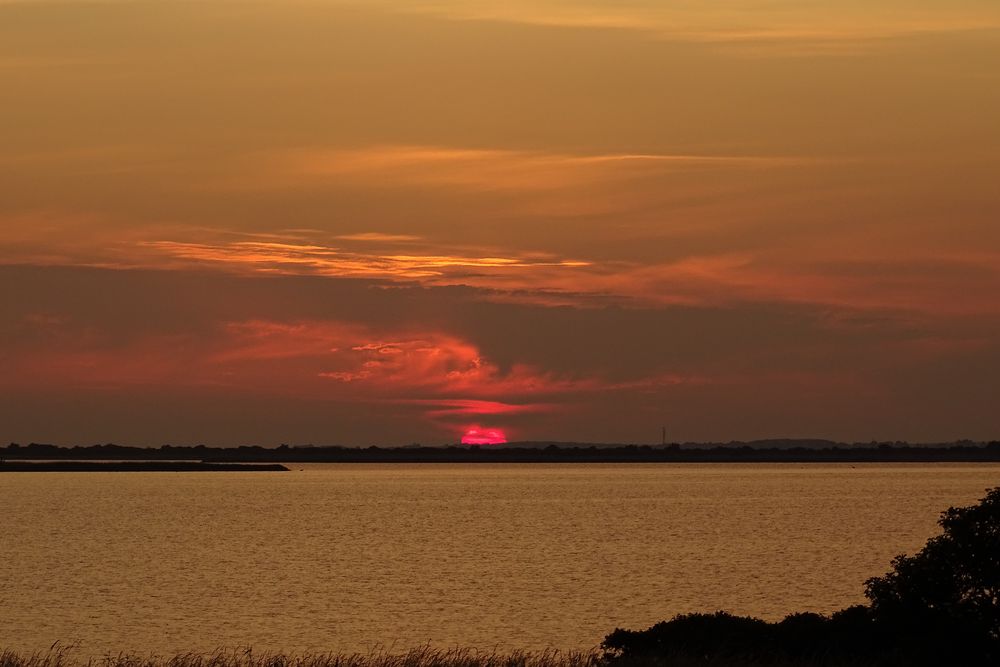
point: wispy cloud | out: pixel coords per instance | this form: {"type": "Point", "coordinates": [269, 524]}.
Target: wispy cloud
{"type": "Point", "coordinates": [448, 408]}
{"type": "Point", "coordinates": [924, 283]}
{"type": "Point", "coordinates": [378, 237]}
{"type": "Point", "coordinates": [933, 284]}
{"type": "Point", "coordinates": [266, 257]}
{"type": "Point", "coordinates": [444, 375]}
{"type": "Point", "coordinates": [518, 182]}
{"type": "Point", "coordinates": [751, 25]}
{"type": "Point", "coordinates": [909, 280]}
{"type": "Point", "coordinates": [487, 169]}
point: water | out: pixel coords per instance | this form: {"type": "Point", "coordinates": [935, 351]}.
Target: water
{"type": "Point", "coordinates": [356, 557]}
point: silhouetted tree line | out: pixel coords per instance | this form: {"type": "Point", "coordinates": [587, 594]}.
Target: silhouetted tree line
{"type": "Point", "coordinates": [786, 451]}
{"type": "Point", "coordinates": [937, 607]}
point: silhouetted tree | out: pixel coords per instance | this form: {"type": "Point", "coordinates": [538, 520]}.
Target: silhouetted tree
{"type": "Point", "coordinates": [950, 590]}
{"type": "Point", "coordinates": [940, 606]}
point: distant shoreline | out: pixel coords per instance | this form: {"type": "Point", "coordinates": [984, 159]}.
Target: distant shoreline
{"type": "Point", "coordinates": [135, 466]}
{"type": "Point", "coordinates": [172, 458]}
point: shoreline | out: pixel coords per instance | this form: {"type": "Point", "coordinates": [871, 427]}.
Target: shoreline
{"type": "Point", "coordinates": [791, 452]}
{"type": "Point", "coordinates": [137, 466]}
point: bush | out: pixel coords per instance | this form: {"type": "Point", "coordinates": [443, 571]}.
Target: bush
{"type": "Point", "coordinates": [696, 634]}
{"type": "Point", "coordinates": [940, 606]}
{"type": "Point", "coordinates": [720, 638]}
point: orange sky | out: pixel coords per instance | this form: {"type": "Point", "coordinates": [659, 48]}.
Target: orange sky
{"type": "Point", "coordinates": [382, 221]}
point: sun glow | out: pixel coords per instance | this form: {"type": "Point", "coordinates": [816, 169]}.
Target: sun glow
{"type": "Point", "coordinates": [477, 435]}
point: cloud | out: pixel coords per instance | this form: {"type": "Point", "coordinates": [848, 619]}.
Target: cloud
{"type": "Point", "coordinates": [765, 27]}
{"type": "Point", "coordinates": [378, 237]}
{"type": "Point", "coordinates": [916, 282]}
{"type": "Point", "coordinates": [448, 408]}
{"type": "Point", "coordinates": [290, 258]}
{"type": "Point", "coordinates": [445, 365]}
{"type": "Point", "coordinates": [841, 274]}
{"type": "Point", "coordinates": [445, 378]}
{"type": "Point", "coordinates": [485, 169]}
{"type": "Point", "coordinates": [330, 360]}
{"type": "Point", "coordinates": [496, 183]}
{"type": "Point", "coordinates": [929, 284]}
{"type": "Point", "coordinates": [339, 360]}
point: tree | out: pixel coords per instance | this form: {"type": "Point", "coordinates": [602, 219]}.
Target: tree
{"type": "Point", "coordinates": [940, 606]}
{"type": "Point", "coordinates": [949, 590]}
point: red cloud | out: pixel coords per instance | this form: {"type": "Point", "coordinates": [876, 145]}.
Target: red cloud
{"type": "Point", "coordinates": [465, 407]}
{"type": "Point", "coordinates": [441, 375]}
{"type": "Point", "coordinates": [477, 435]}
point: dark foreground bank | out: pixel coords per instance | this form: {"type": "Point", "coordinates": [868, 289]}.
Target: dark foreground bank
{"type": "Point", "coordinates": [136, 466]}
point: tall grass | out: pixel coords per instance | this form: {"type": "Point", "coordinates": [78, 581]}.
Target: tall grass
{"type": "Point", "coordinates": [65, 656]}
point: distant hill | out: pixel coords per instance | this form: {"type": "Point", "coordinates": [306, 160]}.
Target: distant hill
{"type": "Point", "coordinates": [773, 443]}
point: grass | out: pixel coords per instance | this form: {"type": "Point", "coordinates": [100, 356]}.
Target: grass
{"type": "Point", "coordinates": [64, 656]}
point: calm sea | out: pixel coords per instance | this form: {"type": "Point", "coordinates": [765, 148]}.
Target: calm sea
{"type": "Point", "coordinates": [359, 557]}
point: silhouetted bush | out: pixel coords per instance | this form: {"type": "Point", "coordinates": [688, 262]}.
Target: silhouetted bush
{"type": "Point", "coordinates": [805, 638]}
{"type": "Point", "coordinates": [698, 634]}
{"type": "Point", "coordinates": [940, 606]}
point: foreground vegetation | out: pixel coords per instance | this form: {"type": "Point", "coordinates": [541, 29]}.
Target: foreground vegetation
{"type": "Point", "coordinates": [423, 657]}
{"type": "Point", "coordinates": [426, 657]}
{"type": "Point", "coordinates": [940, 606]}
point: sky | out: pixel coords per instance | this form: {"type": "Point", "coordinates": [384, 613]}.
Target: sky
{"type": "Point", "coordinates": [387, 221]}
